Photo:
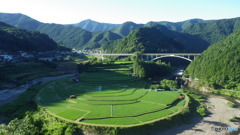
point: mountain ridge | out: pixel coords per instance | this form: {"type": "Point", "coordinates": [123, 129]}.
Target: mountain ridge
{"type": "Point", "coordinates": [177, 26]}
{"type": "Point", "coordinates": [94, 26]}
{"type": "Point", "coordinates": [156, 39]}
{"type": "Point", "coordinates": [214, 30]}
{"type": "Point", "coordinates": [78, 38]}
{"type": "Point", "coordinates": [16, 39]}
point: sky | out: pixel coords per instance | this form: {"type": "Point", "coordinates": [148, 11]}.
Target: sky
{"type": "Point", "coordinates": [119, 11]}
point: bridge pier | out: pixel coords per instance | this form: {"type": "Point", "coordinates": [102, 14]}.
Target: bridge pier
{"type": "Point", "coordinates": [147, 58]}
{"type": "Point", "coordinates": [151, 57]}
{"type": "Point", "coordinates": [102, 57]}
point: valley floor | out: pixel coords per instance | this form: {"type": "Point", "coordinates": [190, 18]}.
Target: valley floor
{"type": "Point", "coordinates": [219, 116]}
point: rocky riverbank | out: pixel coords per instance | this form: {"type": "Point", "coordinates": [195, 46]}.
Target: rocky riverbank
{"type": "Point", "coordinates": [218, 118]}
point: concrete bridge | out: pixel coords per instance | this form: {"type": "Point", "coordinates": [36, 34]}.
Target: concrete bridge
{"type": "Point", "coordinates": [153, 56]}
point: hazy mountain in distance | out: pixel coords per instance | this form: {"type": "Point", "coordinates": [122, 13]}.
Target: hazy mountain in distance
{"type": "Point", "coordinates": [94, 26]}
{"type": "Point", "coordinates": [126, 28]}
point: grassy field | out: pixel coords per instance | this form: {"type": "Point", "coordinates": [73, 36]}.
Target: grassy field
{"type": "Point", "coordinates": [108, 97]}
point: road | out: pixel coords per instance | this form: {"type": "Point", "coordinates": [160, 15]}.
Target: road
{"type": "Point", "coordinates": [8, 95]}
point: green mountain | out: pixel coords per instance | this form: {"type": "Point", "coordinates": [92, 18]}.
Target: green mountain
{"type": "Point", "coordinates": [15, 39]}
{"type": "Point", "coordinates": [125, 28]}
{"type": "Point", "coordinates": [68, 35]}
{"type": "Point", "coordinates": [146, 39]}
{"type": "Point", "coordinates": [101, 38]}
{"type": "Point", "coordinates": [156, 39]}
{"type": "Point", "coordinates": [219, 65]}
{"type": "Point", "coordinates": [93, 26]}
{"type": "Point", "coordinates": [178, 26]}
{"type": "Point", "coordinates": [214, 31]}
{"type": "Point", "coordinates": [191, 43]}
{"type": "Point", "coordinates": [75, 37]}
{"type": "Point", "coordinates": [20, 21]}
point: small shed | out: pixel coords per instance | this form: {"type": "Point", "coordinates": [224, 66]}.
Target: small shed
{"type": "Point", "coordinates": [72, 96]}
{"type": "Point", "coordinates": [180, 97]}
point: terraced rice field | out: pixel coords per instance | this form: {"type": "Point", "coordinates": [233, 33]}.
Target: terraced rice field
{"type": "Point", "coordinates": [107, 98]}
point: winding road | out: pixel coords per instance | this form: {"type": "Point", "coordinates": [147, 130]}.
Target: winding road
{"type": "Point", "coordinates": [9, 95]}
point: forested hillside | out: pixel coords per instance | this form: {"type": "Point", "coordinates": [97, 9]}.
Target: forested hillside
{"type": "Point", "coordinates": [219, 65]}
{"type": "Point", "coordinates": [146, 39]}
{"type": "Point", "coordinates": [15, 39]}
{"type": "Point", "coordinates": [214, 31]}
{"type": "Point", "coordinates": [101, 38]}
{"type": "Point", "coordinates": [70, 36]}
{"type": "Point", "coordinates": [156, 39]}
{"type": "Point", "coordinates": [176, 26]}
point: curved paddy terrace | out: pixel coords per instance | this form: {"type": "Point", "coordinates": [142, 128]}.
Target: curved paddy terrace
{"type": "Point", "coordinates": [108, 98]}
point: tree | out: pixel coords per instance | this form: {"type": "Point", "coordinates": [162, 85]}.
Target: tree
{"type": "Point", "coordinates": [69, 57]}
{"type": "Point", "coordinates": [83, 66]}
{"type": "Point", "coordinates": [167, 84]}
{"type": "Point", "coordinates": [149, 69]}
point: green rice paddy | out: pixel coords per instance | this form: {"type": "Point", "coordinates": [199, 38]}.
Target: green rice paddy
{"type": "Point", "coordinates": [108, 98]}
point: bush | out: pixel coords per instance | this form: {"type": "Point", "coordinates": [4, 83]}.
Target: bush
{"type": "Point", "coordinates": [201, 110]}
{"type": "Point", "coordinates": [37, 123]}
{"type": "Point", "coordinates": [230, 104]}
{"type": "Point", "coordinates": [233, 119]}
{"type": "Point", "coordinates": [167, 84]}
{"type": "Point", "coordinates": [69, 57]}
{"type": "Point", "coordinates": [156, 86]}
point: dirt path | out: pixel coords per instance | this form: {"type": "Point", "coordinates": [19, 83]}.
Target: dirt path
{"type": "Point", "coordinates": [219, 117]}
{"type": "Point", "coordinates": [9, 95]}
